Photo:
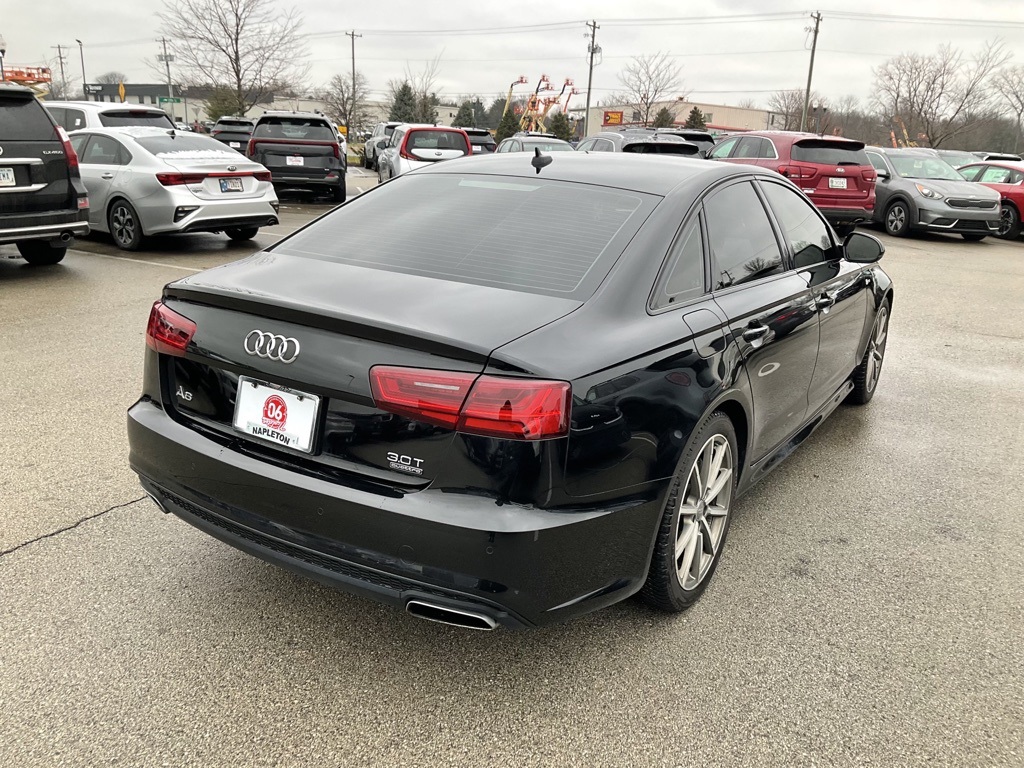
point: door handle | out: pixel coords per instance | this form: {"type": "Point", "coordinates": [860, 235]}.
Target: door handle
{"type": "Point", "coordinates": [755, 333]}
{"type": "Point", "coordinates": [824, 301]}
{"type": "Point", "coordinates": [107, 176]}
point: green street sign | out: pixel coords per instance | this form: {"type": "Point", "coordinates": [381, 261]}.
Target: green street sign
{"type": "Point", "coordinates": [169, 100]}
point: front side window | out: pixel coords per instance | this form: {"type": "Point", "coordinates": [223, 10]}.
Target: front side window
{"type": "Point", "coordinates": [586, 146]}
{"type": "Point", "coordinates": [972, 173]}
{"type": "Point", "coordinates": [806, 233]}
{"type": "Point", "coordinates": [743, 244]}
{"type": "Point", "coordinates": [723, 149]}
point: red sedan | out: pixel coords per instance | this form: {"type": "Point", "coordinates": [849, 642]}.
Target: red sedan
{"type": "Point", "coordinates": [1007, 178]}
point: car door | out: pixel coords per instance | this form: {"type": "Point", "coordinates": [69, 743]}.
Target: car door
{"type": "Point", "coordinates": [102, 165]}
{"type": "Point", "coordinates": [883, 183]}
{"type": "Point", "coordinates": [769, 308]}
{"type": "Point", "coordinates": [840, 290]}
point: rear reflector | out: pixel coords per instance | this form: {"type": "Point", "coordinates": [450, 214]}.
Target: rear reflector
{"type": "Point", "coordinates": [168, 332]}
{"type": "Point", "coordinates": [493, 406]}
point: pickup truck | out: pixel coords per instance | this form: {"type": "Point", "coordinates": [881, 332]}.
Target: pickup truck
{"type": "Point", "coordinates": [301, 150]}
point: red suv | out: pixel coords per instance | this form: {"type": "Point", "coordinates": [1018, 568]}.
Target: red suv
{"type": "Point", "coordinates": [833, 172]}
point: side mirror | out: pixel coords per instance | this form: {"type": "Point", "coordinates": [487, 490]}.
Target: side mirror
{"type": "Point", "coordinates": [882, 174]}
{"type": "Point", "coordinates": [861, 248]}
{"type": "Point", "coordinates": [381, 143]}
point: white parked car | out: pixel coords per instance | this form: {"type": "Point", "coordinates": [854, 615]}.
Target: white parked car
{"type": "Point", "coordinates": [149, 181]}
{"type": "Point", "coordinates": [414, 146]}
{"type": "Point", "coordinates": [75, 115]}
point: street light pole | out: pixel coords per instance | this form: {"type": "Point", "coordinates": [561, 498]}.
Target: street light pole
{"type": "Point", "coordinates": [81, 54]}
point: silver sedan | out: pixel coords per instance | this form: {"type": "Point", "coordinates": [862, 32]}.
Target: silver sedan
{"type": "Point", "coordinates": [153, 181]}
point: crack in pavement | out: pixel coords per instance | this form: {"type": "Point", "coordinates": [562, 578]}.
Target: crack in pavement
{"type": "Point", "coordinates": [70, 527]}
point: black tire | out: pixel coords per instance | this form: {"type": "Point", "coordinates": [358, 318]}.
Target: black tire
{"type": "Point", "coordinates": [1009, 224]}
{"type": "Point", "coordinates": [242, 233]}
{"type": "Point", "coordinates": [664, 588]}
{"type": "Point", "coordinates": [972, 237]}
{"type": "Point", "coordinates": [125, 227]}
{"type": "Point", "coordinates": [897, 219]}
{"type": "Point", "coordinates": [865, 377]}
{"type": "Point", "coordinates": [40, 253]}
{"type": "Point", "coordinates": [338, 193]}
{"type": "Point", "coordinates": [366, 160]}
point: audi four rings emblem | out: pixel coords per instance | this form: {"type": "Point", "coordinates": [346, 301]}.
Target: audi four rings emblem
{"type": "Point", "coordinates": [271, 346]}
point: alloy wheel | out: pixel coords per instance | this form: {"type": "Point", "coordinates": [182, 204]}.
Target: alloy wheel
{"type": "Point", "coordinates": [876, 349]}
{"type": "Point", "coordinates": [123, 225]}
{"type": "Point", "coordinates": [703, 511]}
{"type": "Point", "coordinates": [896, 219]}
{"type": "Point", "coordinates": [1005, 222]}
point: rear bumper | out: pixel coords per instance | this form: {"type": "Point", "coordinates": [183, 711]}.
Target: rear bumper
{"type": "Point", "coordinates": [518, 565]}
{"type": "Point", "coordinates": [158, 212]}
{"type": "Point", "coordinates": [285, 179]}
{"type": "Point", "coordinates": [846, 215]}
{"type": "Point", "coordinates": [49, 226]}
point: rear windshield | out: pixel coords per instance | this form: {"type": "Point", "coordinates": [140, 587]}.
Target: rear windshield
{"type": "Point", "coordinates": [483, 218]}
{"type": "Point", "coordinates": [546, 145]}
{"type": "Point", "coordinates": [234, 124]}
{"type": "Point", "coordinates": [135, 117]}
{"type": "Point", "coordinates": [436, 140]}
{"type": "Point", "coordinates": [25, 120]}
{"type": "Point", "coordinates": [828, 152]}
{"type": "Point", "coordinates": [299, 128]}
{"type": "Point", "coordinates": [185, 143]}
{"type": "Point", "coordinates": [923, 167]}
{"type": "Point", "coordinates": [660, 148]}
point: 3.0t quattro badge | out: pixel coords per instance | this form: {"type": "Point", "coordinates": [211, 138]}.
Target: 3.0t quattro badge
{"type": "Point", "coordinates": [271, 346]}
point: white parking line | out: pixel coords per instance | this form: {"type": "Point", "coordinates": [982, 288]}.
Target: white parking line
{"type": "Point", "coordinates": [142, 261]}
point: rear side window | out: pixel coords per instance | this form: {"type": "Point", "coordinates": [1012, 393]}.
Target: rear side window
{"type": "Point", "coordinates": [828, 152]}
{"type": "Point", "coordinates": [743, 244]}
{"type": "Point", "coordinates": [25, 120]}
{"type": "Point", "coordinates": [877, 161]}
{"type": "Point", "coordinates": [971, 173]}
{"type": "Point", "coordinates": [298, 128]}
{"type": "Point", "coordinates": [135, 117]}
{"type": "Point", "coordinates": [686, 273]}
{"type": "Point", "coordinates": [469, 229]}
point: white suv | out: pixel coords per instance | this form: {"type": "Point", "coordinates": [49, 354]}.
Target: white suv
{"type": "Point", "coordinates": [75, 115]}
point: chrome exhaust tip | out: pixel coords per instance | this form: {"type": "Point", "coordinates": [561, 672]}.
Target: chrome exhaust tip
{"type": "Point", "coordinates": [158, 503]}
{"type": "Point", "coordinates": [65, 237]}
{"type": "Point", "coordinates": [455, 617]}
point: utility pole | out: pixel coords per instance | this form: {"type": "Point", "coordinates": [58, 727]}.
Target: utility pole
{"type": "Point", "coordinates": [81, 53]}
{"type": "Point", "coordinates": [592, 48]}
{"type": "Point", "coordinates": [167, 58]}
{"type": "Point", "coordinates": [810, 70]}
{"type": "Point", "coordinates": [352, 96]}
{"type": "Point", "coordinates": [60, 60]}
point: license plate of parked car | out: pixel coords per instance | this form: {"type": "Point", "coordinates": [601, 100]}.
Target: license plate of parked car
{"type": "Point", "coordinates": [230, 185]}
{"type": "Point", "coordinates": [293, 160]}
{"type": "Point", "coordinates": [837, 183]}
{"type": "Point", "coordinates": [7, 177]}
{"type": "Point", "coordinates": [283, 417]}
{"type": "Point", "coordinates": [235, 144]}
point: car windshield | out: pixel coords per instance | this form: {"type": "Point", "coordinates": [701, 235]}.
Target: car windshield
{"type": "Point", "coordinates": [135, 117]}
{"type": "Point", "coordinates": [829, 152]}
{"type": "Point", "coordinates": [958, 158]}
{"type": "Point", "coordinates": [583, 228]}
{"type": "Point", "coordinates": [185, 144]}
{"type": "Point", "coordinates": [298, 128]}
{"type": "Point", "coordinates": [547, 145]}
{"type": "Point", "coordinates": [923, 167]}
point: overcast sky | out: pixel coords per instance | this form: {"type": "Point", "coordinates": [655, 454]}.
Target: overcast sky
{"type": "Point", "coordinates": [722, 61]}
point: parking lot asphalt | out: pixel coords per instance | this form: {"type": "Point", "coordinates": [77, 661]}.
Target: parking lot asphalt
{"type": "Point", "coordinates": [868, 609]}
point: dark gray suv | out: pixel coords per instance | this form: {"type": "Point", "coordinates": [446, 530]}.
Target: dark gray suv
{"type": "Point", "coordinates": [43, 203]}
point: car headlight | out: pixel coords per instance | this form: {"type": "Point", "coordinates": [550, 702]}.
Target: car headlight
{"type": "Point", "coordinates": [931, 194]}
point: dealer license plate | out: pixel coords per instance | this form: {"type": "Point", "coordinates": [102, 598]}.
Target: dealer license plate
{"type": "Point", "coordinates": [235, 144]}
{"type": "Point", "coordinates": [230, 185]}
{"type": "Point", "coordinates": [293, 160]}
{"type": "Point", "coordinates": [836, 183]}
{"type": "Point", "coordinates": [280, 416]}
{"type": "Point", "coordinates": [7, 177]}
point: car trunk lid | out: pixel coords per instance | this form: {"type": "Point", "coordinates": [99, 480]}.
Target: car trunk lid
{"type": "Point", "coordinates": [833, 172]}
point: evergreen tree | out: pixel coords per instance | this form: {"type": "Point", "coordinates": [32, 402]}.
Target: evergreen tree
{"type": "Point", "coordinates": [494, 113]}
{"type": "Point", "coordinates": [695, 120]}
{"type": "Point", "coordinates": [560, 126]}
{"type": "Point", "coordinates": [403, 108]}
{"type": "Point", "coordinates": [664, 119]}
{"type": "Point", "coordinates": [508, 126]}
{"type": "Point", "coordinates": [464, 117]}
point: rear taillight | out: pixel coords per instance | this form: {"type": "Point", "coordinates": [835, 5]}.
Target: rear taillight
{"type": "Point", "coordinates": [250, 148]}
{"type": "Point", "coordinates": [869, 175]}
{"type": "Point", "coordinates": [177, 179]}
{"type": "Point", "coordinates": [215, 131]}
{"type": "Point", "coordinates": [168, 332]}
{"type": "Point", "coordinates": [797, 171]}
{"type": "Point", "coordinates": [262, 176]}
{"type": "Point", "coordinates": [337, 150]}
{"type": "Point", "coordinates": [69, 151]}
{"type": "Point", "coordinates": [493, 406]}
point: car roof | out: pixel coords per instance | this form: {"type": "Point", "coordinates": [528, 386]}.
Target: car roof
{"type": "Point", "coordinates": [103, 106]}
{"type": "Point", "coordinates": [427, 127]}
{"type": "Point", "coordinates": [637, 172]}
{"type": "Point", "coordinates": [292, 113]}
{"type": "Point", "coordinates": [10, 89]}
{"type": "Point", "coordinates": [476, 131]}
{"type": "Point", "coordinates": [1013, 165]}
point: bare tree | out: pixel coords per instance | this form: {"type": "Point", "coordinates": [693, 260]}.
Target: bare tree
{"type": "Point", "coordinates": [936, 96]}
{"type": "Point", "coordinates": [250, 46]}
{"type": "Point", "coordinates": [112, 78]}
{"type": "Point", "coordinates": [648, 80]}
{"type": "Point", "coordinates": [787, 106]}
{"type": "Point", "coordinates": [345, 104]}
{"type": "Point", "coordinates": [1009, 84]}
{"type": "Point", "coordinates": [747, 103]}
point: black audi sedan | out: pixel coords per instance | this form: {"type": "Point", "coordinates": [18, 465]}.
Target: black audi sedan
{"type": "Point", "coordinates": [537, 391]}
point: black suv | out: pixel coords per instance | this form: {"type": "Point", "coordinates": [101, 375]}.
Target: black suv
{"type": "Point", "coordinates": [234, 131]}
{"type": "Point", "coordinates": [301, 150]}
{"type": "Point", "coordinates": [43, 203]}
